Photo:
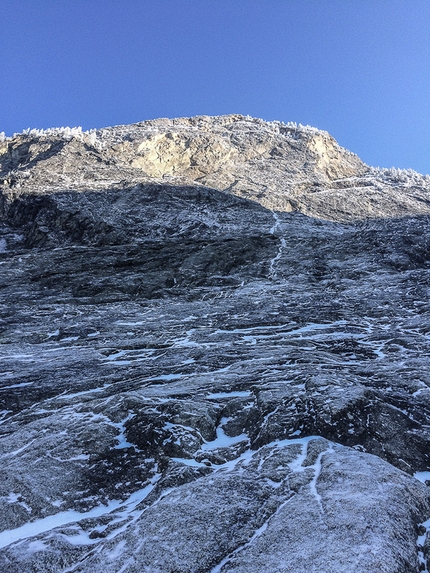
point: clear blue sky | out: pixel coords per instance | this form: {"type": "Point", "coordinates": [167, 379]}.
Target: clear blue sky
{"type": "Point", "coordinates": [358, 68]}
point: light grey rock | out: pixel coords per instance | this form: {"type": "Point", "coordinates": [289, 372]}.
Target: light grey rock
{"type": "Point", "coordinates": [182, 303]}
{"type": "Point", "coordinates": [285, 167]}
{"type": "Point", "coordinates": [305, 506]}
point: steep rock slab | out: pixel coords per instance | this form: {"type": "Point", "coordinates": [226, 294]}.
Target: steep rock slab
{"type": "Point", "coordinates": [299, 505]}
{"type": "Point", "coordinates": [157, 334]}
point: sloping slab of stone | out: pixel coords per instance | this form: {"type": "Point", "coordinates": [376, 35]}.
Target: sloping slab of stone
{"type": "Point", "coordinates": [305, 505]}
{"type": "Point", "coordinates": [163, 323]}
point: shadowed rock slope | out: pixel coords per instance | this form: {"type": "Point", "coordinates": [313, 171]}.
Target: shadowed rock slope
{"type": "Point", "coordinates": [214, 352]}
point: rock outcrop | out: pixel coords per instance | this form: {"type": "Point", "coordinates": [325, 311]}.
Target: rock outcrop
{"type": "Point", "coordinates": [214, 352]}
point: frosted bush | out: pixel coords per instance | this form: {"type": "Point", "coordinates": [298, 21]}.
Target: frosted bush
{"type": "Point", "coordinates": [406, 177]}
{"type": "Point", "coordinates": [293, 129]}
{"type": "Point", "coordinates": [90, 137]}
{"type": "Point", "coordinates": [67, 133]}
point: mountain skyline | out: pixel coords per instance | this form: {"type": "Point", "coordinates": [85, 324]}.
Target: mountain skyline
{"type": "Point", "coordinates": [359, 70]}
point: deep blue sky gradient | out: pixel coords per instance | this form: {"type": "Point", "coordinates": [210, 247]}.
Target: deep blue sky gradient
{"type": "Point", "coordinates": [358, 68]}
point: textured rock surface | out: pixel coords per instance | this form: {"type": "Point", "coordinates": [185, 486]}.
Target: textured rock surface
{"type": "Point", "coordinates": [183, 303]}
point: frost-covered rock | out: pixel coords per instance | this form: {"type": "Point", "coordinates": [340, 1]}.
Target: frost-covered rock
{"type": "Point", "coordinates": [286, 167]}
{"type": "Point", "coordinates": [214, 352]}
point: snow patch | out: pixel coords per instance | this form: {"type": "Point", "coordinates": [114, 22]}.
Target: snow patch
{"type": "Point", "coordinates": [222, 440]}
{"type": "Point", "coordinates": [40, 526]}
{"type": "Point", "coordinates": [422, 476]}
{"type": "Point", "coordinates": [220, 395]}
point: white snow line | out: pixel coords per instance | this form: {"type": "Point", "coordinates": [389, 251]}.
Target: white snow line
{"type": "Point", "coordinates": [285, 328]}
{"type": "Point", "coordinates": [122, 440]}
{"type": "Point", "coordinates": [166, 377]}
{"type": "Point", "coordinates": [16, 385]}
{"type": "Point", "coordinates": [296, 465]}
{"type": "Point", "coordinates": [219, 395]}
{"type": "Point", "coordinates": [22, 357]}
{"type": "Point", "coordinates": [257, 533]}
{"type": "Point", "coordinates": [418, 392]}
{"type": "Point", "coordinates": [191, 462]}
{"type": "Point", "coordinates": [274, 261]}
{"type": "Point", "coordinates": [222, 440]}
{"type": "Point", "coordinates": [19, 450]}
{"type": "Point", "coordinates": [61, 519]}
{"type": "Point", "coordinates": [317, 470]}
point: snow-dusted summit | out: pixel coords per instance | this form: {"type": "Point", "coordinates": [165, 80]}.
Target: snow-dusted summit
{"type": "Point", "coordinates": [285, 167]}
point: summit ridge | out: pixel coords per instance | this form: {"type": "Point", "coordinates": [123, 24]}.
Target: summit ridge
{"type": "Point", "coordinates": [281, 166]}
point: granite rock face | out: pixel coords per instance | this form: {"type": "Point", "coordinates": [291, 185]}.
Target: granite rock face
{"type": "Point", "coordinates": [214, 352]}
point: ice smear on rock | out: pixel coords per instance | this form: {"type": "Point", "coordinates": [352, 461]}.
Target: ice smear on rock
{"type": "Point", "coordinates": [40, 526]}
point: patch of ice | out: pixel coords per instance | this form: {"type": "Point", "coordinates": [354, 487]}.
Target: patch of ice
{"type": "Point", "coordinates": [81, 537]}
{"type": "Point", "coordinates": [23, 357]}
{"type": "Point", "coordinates": [222, 440]}
{"type": "Point", "coordinates": [283, 244]}
{"type": "Point", "coordinates": [418, 392]}
{"type": "Point", "coordinates": [57, 502]}
{"type": "Point", "coordinates": [122, 440]}
{"type": "Point", "coordinates": [244, 458]}
{"type": "Point", "coordinates": [296, 433]}
{"type": "Point", "coordinates": [115, 355]}
{"type": "Point", "coordinates": [127, 357]}
{"type": "Point", "coordinates": [116, 551]}
{"type": "Point", "coordinates": [36, 546]}
{"type": "Point", "coordinates": [45, 524]}
{"type": "Point", "coordinates": [61, 519]}
{"type": "Point", "coordinates": [286, 328]}
{"type": "Point", "coordinates": [16, 385]}
{"type": "Point", "coordinates": [55, 333]}
{"type": "Point", "coordinates": [25, 506]}
{"type": "Point", "coordinates": [166, 377]}
{"type": "Point", "coordinates": [317, 470]}
{"type": "Point", "coordinates": [220, 395]}
{"type": "Point", "coordinates": [19, 450]}
{"type": "Point", "coordinates": [3, 415]}
{"type": "Point", "coordinates": [189, 462]}
{"type": "Point", "coordinates": [422, 476]}
{"type": "Point", "coordinates": [83, 392]}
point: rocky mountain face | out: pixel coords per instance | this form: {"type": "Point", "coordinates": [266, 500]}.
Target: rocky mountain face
{"type": "Point", "coordinates": [214, 352]}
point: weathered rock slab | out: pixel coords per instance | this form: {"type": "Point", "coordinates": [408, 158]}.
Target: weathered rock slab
{"type": "Point", "coordinates": [183, 304]}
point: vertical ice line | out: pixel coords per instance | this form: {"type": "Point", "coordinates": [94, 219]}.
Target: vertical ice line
{"type": "Point", "coordinates": [274, 231]}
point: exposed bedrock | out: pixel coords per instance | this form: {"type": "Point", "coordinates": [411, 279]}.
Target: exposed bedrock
{"type": "Point", "coordinates": [214, 353]}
